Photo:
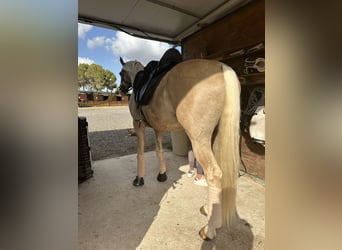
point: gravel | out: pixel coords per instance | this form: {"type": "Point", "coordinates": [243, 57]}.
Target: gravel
{"type": "Point", "coordinates": [108, 132]}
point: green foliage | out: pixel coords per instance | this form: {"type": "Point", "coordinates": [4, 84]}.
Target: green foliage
{"type": "Point", "coordinates": [109, 80]}
{"type": "Point", "coordinates": [82, 79]}
{"type": "Point", "coordinates": [95, 77]}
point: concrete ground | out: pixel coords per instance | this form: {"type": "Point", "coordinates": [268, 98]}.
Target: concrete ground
{"type": "Point", "coordinates": [113, 214]}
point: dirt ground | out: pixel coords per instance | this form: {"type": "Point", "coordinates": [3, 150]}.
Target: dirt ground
{"type": "Point", "coordinates": [108, 133]}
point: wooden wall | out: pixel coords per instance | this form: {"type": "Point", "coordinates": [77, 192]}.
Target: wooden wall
{"type": "Point", "coordinates": [237, 32]}
{"type": "Point", "coordinates": [241, 29]}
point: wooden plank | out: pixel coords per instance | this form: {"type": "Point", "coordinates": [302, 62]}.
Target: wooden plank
{"type": "Point", "coordinates": [253, 155]}
{"type": "Point", "coordinates": [241, 29]}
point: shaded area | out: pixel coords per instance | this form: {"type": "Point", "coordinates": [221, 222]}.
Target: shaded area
{"type": "Point", "coordinates": [115, 143]}
{"type": "Point", "coordinates": [241, 237]}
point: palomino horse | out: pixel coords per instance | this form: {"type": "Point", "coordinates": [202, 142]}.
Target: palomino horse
{"type": "Point", "coordinates": [201, 97]}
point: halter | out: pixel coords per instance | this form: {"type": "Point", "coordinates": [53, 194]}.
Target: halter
{"type": "Point", "coordinates": [125, 85]}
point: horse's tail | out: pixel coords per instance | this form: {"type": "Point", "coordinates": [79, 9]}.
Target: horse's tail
{"type": "Point", "coordinates": [228, 150]}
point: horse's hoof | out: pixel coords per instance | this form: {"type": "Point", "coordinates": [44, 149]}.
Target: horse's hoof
{"type": "Point", "coordinates": [203, 235]}
{"type": "Point", "coordinates": [203, 211]}
{"type": "Point", "coordinates": [138, 181]}
{"type": "Point", "coordinates": [162, 177]}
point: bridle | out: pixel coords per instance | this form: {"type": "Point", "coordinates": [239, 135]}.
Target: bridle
{"type": "Point", "coordinates": [125, 85]}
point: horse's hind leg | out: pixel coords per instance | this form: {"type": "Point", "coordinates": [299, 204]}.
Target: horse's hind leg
{"type": "Point", "coordinates": [159, 151]}
{"type": "Point", "coordinates": [140, 131]}
{"type": "Point", "coordinates": [204, 155]}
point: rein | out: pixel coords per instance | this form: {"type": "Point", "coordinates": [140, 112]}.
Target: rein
{"type": "Point", "coordinates": [125, 85]}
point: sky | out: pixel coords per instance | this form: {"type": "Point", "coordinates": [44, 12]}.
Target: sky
{"type": "Point", "coordinates": [104, 47]}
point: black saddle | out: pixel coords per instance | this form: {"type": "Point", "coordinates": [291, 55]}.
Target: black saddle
{"type": "Point", "coordinates": [147, 80]}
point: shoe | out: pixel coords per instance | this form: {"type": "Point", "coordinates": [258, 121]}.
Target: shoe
{"type": "Point", "coordinates": [190, 173]}
{"type": "Point", "coordinates": [201, 182]}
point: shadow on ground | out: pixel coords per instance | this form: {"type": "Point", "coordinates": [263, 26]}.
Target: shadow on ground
{"type": "Point", "coordinates": [241, 237]}
{"type": "Point", "coordinates": [115, 143]}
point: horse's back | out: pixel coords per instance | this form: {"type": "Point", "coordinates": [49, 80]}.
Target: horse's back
{"type": "Point", "coordinates": [193, 79]}
{"type": "Point", "coordinates": [196, 69]}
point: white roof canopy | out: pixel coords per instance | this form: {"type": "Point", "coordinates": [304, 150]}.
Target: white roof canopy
{"type": "Point", "coordinates": [163, 20]}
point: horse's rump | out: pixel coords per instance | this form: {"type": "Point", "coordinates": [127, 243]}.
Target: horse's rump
{"type": "Point", "coordinates": [188, 93]}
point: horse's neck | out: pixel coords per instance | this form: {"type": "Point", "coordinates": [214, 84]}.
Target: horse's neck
{"type": "Point", "coordinates": [133, 72]}
{"type": "Point", "coordinates": [135, 110]}
{"type": "Point", "coordinates": [132, 75]}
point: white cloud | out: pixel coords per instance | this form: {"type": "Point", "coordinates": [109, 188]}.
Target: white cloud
{"type": "Point", "coordinates": [85, 60]}
{"type": "Point", "coordinates": [83, 29]}
{"type": "Point", "coordinates": [98, 41]}
{"type": "Point", "coordinates": [129, 47]}
{"type": "Point", "coordinates": [133, 48]}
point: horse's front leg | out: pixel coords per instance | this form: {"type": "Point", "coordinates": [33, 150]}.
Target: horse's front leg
{"type": "Point", "coordinates": [159, 151]}
{"type": "Point", "coordinates": [139, 128]}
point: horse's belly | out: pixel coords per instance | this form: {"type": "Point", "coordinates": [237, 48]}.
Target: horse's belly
{"type": "Point", "coordinates": [161, 119]}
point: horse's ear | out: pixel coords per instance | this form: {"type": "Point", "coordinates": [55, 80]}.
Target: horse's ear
{"type": "Point", "coordinates": [122, 61]}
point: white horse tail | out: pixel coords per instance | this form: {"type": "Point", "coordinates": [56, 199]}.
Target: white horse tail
{"type": "Point", "coordinates": [228, 150]}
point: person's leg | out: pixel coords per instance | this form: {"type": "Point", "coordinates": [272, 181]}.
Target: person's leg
{"type": "Point", "coordinates": [191, 159]}
{"type": "Point", "coordinates": [200, 178]}
{"type": "Point", "coordinates": [199, 168]}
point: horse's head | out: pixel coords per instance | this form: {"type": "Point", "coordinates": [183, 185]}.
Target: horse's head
{"type": "Point", "coordinates": [127, 74]}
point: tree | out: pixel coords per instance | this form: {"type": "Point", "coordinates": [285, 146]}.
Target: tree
{"type": "Point", "coordinates": [109, 80]}
{"type": "Point", "coordinates": [95, 74]}
{"type": "Point", "coordinates": [83, 81]}
{"type": "Point", "coordinates": [95, 77]}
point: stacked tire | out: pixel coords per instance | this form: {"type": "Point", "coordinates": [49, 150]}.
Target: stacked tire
{"type": "Point", "coordinates": [84, 155]}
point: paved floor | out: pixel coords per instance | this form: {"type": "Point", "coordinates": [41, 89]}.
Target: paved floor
{"type": "Point", "coordinates": [107, 118]}
{"type": "Point", "coordinates": [113, 214]}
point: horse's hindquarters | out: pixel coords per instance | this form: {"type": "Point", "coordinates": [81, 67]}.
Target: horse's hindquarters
{"type": "Point", "coordinates": [192, 93]}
